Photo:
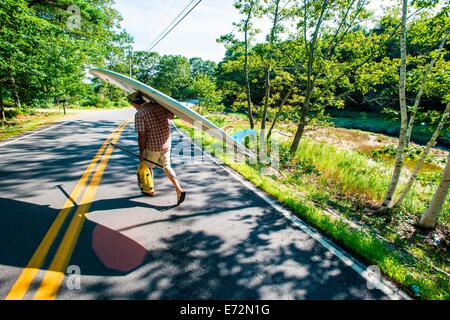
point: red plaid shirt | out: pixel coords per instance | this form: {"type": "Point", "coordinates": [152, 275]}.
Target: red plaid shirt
{"type": "Point", "coordinates": [153, 119]}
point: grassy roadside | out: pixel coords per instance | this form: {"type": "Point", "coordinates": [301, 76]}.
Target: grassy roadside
{"type": "Point", "coordinates": [23, 123]}
{"type": "Point", "coordinates": [415, 275]}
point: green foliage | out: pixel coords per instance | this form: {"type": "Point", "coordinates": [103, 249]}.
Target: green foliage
{"type": "Point", "coordinates": [429, 178]}
{"type": "Point", "coordinates": [204, 89]}
{"type": "Point", "coordinates": [284, 154]}
{"type": "Point", "coordinates": [145, 66]}
{"type": "Point", "coordinates": [306, 167]}
{"type": "Point", "coordinates": [217, 119]}
{"type": "Point", "coordinates": [172, 75]}
{"type": "Point", "coordinates": [411, 153]}
{"type": "Point", "coordinates": [354, 66]}
{"type": "Point", "coordinates": [202, 67]}
{"type": "Point", "coordinates": [43, 56]}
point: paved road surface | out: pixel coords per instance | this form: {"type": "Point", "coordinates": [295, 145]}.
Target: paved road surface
{"type": "Point", "coordinates": [224, 242]}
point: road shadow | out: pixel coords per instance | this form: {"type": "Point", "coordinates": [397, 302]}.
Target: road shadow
{"type": "Point", "coordinates": [191, 264]}
{"type": "Point", "coordinates": [23, 225]}
{"type": "Point", "coordinates": [249, 250]}
{"type": "Point", "coordinates": [23, 163]}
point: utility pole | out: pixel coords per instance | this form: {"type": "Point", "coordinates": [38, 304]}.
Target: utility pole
{"type": "Point", "coordinates": [131, 61]}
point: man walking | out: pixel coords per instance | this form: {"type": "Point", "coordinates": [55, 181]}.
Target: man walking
{"type": "Point", "coordinates": [152, 125]}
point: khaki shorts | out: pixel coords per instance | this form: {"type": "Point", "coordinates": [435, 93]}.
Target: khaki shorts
{"type": "Point", "coordinates": [161, 157]}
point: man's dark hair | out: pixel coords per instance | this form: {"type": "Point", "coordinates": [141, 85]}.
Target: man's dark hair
{"type": "Point", "coordinates": [138, 99]}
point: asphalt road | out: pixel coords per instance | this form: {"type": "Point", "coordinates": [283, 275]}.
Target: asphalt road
{"type": "Point", "coordinates": [74, 225]}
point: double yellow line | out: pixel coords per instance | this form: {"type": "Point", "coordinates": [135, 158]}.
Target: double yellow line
{"type": "Point", "coordinates": [54, 276]}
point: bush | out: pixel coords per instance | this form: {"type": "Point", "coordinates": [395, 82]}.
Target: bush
{"type": "Point", "coordinates": [217, 119]}
{"type": "Point", "coordinates": [412, 153]}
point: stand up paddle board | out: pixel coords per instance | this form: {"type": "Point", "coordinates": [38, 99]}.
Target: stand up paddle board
{"type": "Point", "coordinates": [131, 85]}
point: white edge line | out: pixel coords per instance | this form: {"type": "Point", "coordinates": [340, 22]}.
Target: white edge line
{"type": "Point", "coordinates": [40, 131]}
{"type": "Point", "coordinates": [384, 284]}
{"type": "Point", "coordinates": [34, 133]}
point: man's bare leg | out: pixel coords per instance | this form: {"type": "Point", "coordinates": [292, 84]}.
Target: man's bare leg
{"type": "Point", "coordinates": [170, 173]}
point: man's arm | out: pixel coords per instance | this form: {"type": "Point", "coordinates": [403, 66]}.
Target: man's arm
{"type": "Point", "coordinates": [141, 142]}
{"type": "Point", "coordinates": [140, 128]}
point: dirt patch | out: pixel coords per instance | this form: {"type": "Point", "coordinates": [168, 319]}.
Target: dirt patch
{"type": "Point", "coordinates": [360, 140]}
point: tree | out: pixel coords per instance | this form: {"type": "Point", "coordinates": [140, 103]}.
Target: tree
{"type": "Point", "coordinates": [44, 55]}
{"type": "Point", "coordinates": [200, 66]}
{"type": "Point", "coordinates": [16, 19]}
{"type": "Point", "coordinates": [119, 58]}
{"type": "Point", "coordinates": [145, 66]}
{"type": "Point", "coordinates": [2, 107]}
{"type": "Point", "coordinates": [277, 12]}
{"type": "Point", "coordinates": [231, 77]}
{"type": "Point", "coordinates": [405, 128]}
{"type": "Point", "coordinates": [426, 28]}
{"type": "Point", "coordinates": [429, 218]}
{"type": "Point", "coordinates": [395, 178]}
{"type": "Point", "coordinates": [422, 87]}
{"type": "Point", "coordinates": [173, 75]}
{"type": "Point", "coordinates": [204, 89]}
{"type": "Point", "coordinates": [425, 153]}
{"type": "Point", "coordinates": [313, 16]}
{"type": "Point", "coordinates": [247, 8]}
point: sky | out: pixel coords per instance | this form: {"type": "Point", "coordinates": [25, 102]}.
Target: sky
{"type": "Point", "coordinates": [195, 36]}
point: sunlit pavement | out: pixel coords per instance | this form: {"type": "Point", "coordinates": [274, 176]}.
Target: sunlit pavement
{"type": "Point", "coordinates": [223, 242]}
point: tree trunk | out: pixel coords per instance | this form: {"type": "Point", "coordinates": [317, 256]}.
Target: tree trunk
{"type": "Point", "coordinates": [247, 81]}
{"type": "Point", "coordinates": [280, 107]}
{"type": "Point", "coordinates": [385, 206]}
{"type": "Point", "coordinates": [300, 130]}
{"type": "Point", "coordinates": [14, 92]}
{"type": "Point", "coordinates": [2, 108]}
{"type": "Point", "coordinates": [267, 77]}
{"type": "Point", "coordinates": [422, 87]}
{"type": "Point", "coordinates": [311, 52]}
{"type": "Point", "coordinates": [427, 149]}
{"type": "Point", "coordinates": [310, 82]}
{"type": "Point", "coordinates": [266, 102]}
{"type": "Point", "coordinates": [303, 119]}
{"type": "Point", "coordinates": [131, 63]}
{"type": "Point", "coordinates": [429, 218]}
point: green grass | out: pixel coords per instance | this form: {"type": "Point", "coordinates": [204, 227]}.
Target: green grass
{"type": "Point", "coordinates": [238, 115]}
{"type": "Point", "coordinates": [352, 176]}
{"type": "Point", "coordinates": [348, 176]}
{"type": "Point", "coordinates": [120, 106]}
{"type": "Point", "coordinates": [20, 121]}
{"type": "Point", "coordinates": [356, 177]}
{"type": "Point", "coordinates": [347, 171]}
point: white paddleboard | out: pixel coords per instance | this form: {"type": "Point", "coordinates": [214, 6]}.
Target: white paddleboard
{"type": "Point", "coordinates": [130, 85]}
